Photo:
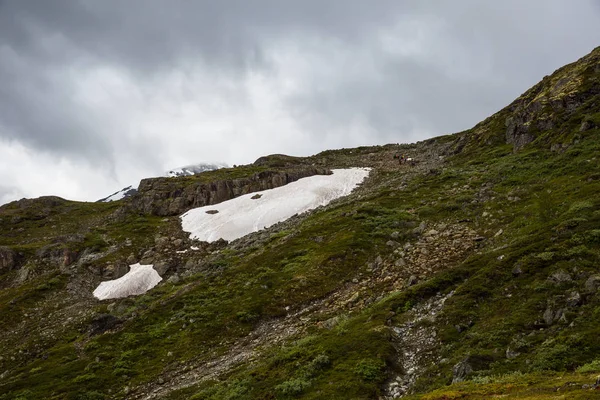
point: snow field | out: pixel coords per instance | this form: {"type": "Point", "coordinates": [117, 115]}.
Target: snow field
{"type": "Point", "coordinates": [243, 215]}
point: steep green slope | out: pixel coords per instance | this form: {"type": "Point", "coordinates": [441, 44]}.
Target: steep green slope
{"type": "Point", "coordinates": [480, 265]}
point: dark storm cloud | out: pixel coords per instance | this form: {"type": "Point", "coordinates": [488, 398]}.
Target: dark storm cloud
{"type": "Point", "coordinates": [150, 34]}
{"type": "Point", "coordinates": [99, 82]}
{"type": "Point", "coordinates": [38, 38]}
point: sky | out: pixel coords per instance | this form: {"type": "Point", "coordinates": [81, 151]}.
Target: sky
{"type": "Point", "coordinates": [95, 95]}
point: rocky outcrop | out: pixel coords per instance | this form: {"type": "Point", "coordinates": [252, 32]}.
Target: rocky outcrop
{"type": "Point", "coordinates": [166, 196]}
{"type": "Point", "coordinates": [461, 371]}
{"type": "Point", "coordinates": [7, 259]}
{"type": "Point", "coordinates": [553, 101]}
{"type": "Point", "coordinates": [554, 109]}
{"type": "Point", "coordinates": [517, 132]}
{"type": "Point", "coordinates": [592, 284]}
{"type": "Point", "coordinates": [61, 252]}
{"type": "Point", "coordinates": [103, 323]}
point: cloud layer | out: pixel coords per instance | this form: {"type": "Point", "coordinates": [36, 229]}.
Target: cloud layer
{"type": "Point", "coordinates": [96, 95]}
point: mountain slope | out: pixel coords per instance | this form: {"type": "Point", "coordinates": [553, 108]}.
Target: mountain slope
{"type": "Point", "coordinates": [473, 273]}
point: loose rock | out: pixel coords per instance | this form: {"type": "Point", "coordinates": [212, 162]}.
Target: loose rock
{"type": "Point", "coordinates": [461, 370]}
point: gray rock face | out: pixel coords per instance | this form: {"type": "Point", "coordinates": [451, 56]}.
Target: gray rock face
{"type": "Point", "coordinates": [132, 259]}
{"type": "Point", "coordinates": [560, 276]}
{"type": "Point", "coordinates": [586, 125]}
{"type": "Point", "coordinates": [548, 316]}
{"type": "Point", "coordinates": [592, 284]}
{"type": "Point", "coordinates": [412, 280]}
{"type": "Point", "coordinates": [573, 299]}
{"type": "Point", "coordinates": [551, 316]}
{"type": "Point", "coordinates": [543, 108]}
{"type": "Point", "coordinates": [114, 271]}
{"type": "Point", "coordinates": [461, 370]}
{"type": "Point", "coordinates": [166, 196]}
{"type": "Point", "coordinates": [162, 267]}
{"type": "Point", "coordinates": [511, 354]}
{"type": "Point", "coordinates": [421, 228]}
{"type": "Point", "coordinates": [517, 271]}
{"type": "Point", "coordinates": [517, 132]}
{"type": "Point", "coordinates": [7, 259]}
{"type": "Point", "coordinates": [103, 323]}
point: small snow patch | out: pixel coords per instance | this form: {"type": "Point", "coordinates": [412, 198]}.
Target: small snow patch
{"type": "Point", "coordinates": [138, 280]}
{"type": "Point", "coordinates": [249, 213]}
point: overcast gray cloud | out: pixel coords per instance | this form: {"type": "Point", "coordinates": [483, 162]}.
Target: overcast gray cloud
{"type": "Point", "coordinates": [95, 95]}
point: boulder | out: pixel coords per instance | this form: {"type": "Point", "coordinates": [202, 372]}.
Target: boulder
{"type": "Point", "coordinates": [331, 322]}
{"type": "Point", "coordinates": [548, 316]}
{"type": "Point", "coordinates": [461, 371]}
{"type": "Point", "coordinates": [132, 259]}
{"type": "Point", "coordinates": [162, 267]}
{"type": "Point", "coordinates": [517, 271]}
{"type": "Point", "coordinates": [400, 262]}
{"type": "Point", "coordinates": [69, 257]}
{"type": "Point", "coordinates": [517, 132]}
{"type": "Point", "coordinates": [161, 242]}
{"type": "Point", "coordinates": [103, 323]}
{"type": "Point", "coordinates": [592, 284]}
{"type": "Point", "coordinates": [560, 276]}
{"type": "Point", "coordinates": [114, 271]}
{"type": "Point", "coordinates": [420, 229]}
{"type": "Point", "coordinates": [573, 299]}
{"type": "Point", "coordinates": [511, 354]}
{"type": "Point", "coordinates": [586, 125]}
{"type": "Point", "coordinates": [7, 259]}
{"type": "Point", "coordinates": [412, 280]}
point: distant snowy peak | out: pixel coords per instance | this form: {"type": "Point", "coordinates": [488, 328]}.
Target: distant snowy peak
{"type": "Point", "coordinates": [183, 171]}
{"type": "Point", "coordinates": [121, 194]}
{"type": "Point", "coordinates": [195, 169]}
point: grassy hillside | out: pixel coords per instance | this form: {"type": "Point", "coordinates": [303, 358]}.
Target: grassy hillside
{"type": "Point", "coordinates": [474, 273]}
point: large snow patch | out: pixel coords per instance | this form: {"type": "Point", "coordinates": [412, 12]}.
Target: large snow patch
{"type": "Point", "coordinates": [243, 215]}
{"type": "Point", "coordinates": [138, 280]}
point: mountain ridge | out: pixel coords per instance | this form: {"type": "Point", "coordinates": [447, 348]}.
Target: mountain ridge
{"type": "Point", "coordinates": [188, 170]}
